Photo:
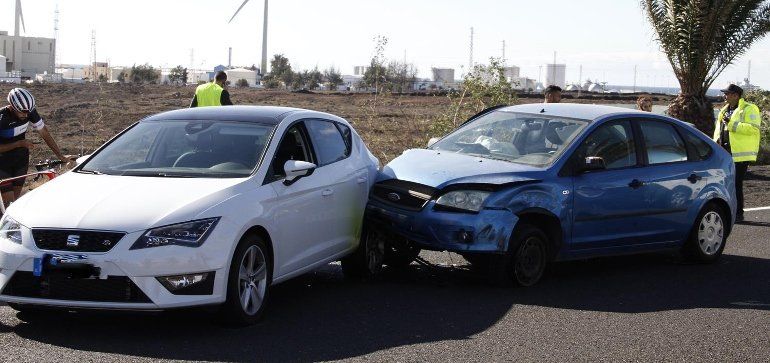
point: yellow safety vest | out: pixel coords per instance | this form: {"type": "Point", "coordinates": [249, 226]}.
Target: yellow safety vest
{"type": "Point", "coordinates": [209, 94]}
{"type": "Point", "coordinates": [743, 129]}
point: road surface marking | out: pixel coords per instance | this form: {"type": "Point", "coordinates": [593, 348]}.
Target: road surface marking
{"type": "Point", "coordinates": [755, 209]}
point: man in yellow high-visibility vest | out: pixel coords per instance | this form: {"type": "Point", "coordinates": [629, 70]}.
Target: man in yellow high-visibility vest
{"type": "Point", "coordinates": [212, 93]}
{"type": "Point", "coordinates": [737, 130]}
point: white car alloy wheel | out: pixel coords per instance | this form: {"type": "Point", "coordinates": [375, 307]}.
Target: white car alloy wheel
{"type": "Point", "coordinates": [710, 233]}
{"type": "Point", "coordinates": [252, 280]}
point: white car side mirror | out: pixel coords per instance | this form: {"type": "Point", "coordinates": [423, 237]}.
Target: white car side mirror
{"type": "Point", "coordinates": [81, 159]}
{"type": "Point", "coordinates": [296, 170]}
{"type": "Point", "coordinates": [433, 140]}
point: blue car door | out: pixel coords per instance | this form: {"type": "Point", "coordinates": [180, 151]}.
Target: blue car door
{"type": "Point", "coordinates": [609, 206]}
{"type": "Point", "coordinates": [671, 181]}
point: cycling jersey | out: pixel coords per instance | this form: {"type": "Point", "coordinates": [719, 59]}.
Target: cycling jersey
{"type": "Point", "coordinates": [15, 162]}
{"type": "Point", "coordinates": [13, 129]}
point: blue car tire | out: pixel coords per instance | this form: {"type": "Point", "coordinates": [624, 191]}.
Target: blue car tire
{"type": "Point", "coordinates": [708, 235]}
{"type": "Point", "coordinates": [526, 260]}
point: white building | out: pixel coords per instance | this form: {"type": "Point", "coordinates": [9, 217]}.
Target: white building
{"type": "Point", "coordinates": [28, 55]}
{"type": "Point", "coordinates": [351, 82]}
{"type": "Point", "coordinates": [71, 71]}
{"type": "Point", "coordinates": [555, 75]}
{"type": "Point", "coordinates": [49, 78]}
{"type": "Point", "coordinates": [233, 75]}
{"type": "Point", "coordinates": [523, 84]}
{"type": "Point", "coordinates": [198, 76]}
{"type": "Point", "coordinates": [360, 70]}
{"type": "Point", "coordinates": [510, 73]}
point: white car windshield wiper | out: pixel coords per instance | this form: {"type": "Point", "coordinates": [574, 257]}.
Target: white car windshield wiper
{"type": "Point", "coordinates": [95, 172]}
{"type": "Point", "coordinates": [166, 174]}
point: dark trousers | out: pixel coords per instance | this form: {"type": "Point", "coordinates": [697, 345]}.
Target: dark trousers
{"type": "Point", "coordinates": [740, 174]}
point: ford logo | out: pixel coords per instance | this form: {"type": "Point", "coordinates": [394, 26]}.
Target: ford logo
{"type": "Point", "coordinates": [73, 240]}
{"type": "Point", "coordinates": [394, 197]}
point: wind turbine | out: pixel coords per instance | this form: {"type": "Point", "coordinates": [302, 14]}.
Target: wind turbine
{"type": "Point", "coordinates": [19, 17]}
{"type": "Point", "coordinates": [263, 68]}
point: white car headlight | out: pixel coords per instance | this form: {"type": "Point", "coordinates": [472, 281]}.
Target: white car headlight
{"type": "Point", "coordinates": [10, 230]}
{"type": "Point", "coordinates": [187, 234]}
{"type": "Point", "coordinates": [470, 200]}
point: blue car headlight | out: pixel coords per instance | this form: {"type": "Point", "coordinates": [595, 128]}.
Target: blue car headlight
{"type": "Point", "coordinates": [469, 200]}
{"type": "Point", "coordinates": [187, 234]}
{"type": "Point", "coordinates": [10, 230]}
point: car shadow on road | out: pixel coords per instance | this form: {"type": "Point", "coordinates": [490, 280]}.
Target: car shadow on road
{"type": "Point", "coordinates": [322, 316]}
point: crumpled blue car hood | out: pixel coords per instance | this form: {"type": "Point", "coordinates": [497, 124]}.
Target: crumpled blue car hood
{"type": "Point", "coordinates": [441, 168]}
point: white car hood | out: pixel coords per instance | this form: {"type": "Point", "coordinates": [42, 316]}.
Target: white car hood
{"type": "Point", "coordinates": [119, 203]}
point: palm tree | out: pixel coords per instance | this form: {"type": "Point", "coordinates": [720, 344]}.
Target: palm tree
{"type": "Point", "coordinates": [701, 38]}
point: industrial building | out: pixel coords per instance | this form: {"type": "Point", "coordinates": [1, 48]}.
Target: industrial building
{"type": "Point", "coordinates": [360, 70]}
{"type": "Point", "coordinates": [233, 75]}
{"type": "Point", "coordinates": [555, 74]}
{"type": "Point", "coordinates": [511, 72]}
{"type": "Point", "coordinates": [443, 75]}
{"type": "Point", "coordinates": [27, 55]}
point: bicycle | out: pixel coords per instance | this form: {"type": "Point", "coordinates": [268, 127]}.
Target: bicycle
{"type": "Point", "coordinates": [45, 168]}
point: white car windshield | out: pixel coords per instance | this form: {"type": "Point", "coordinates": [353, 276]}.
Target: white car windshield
{"type": "Point", "coordinates": [174, 148]}
{"type": "Point", "coordinates": [515, 137]}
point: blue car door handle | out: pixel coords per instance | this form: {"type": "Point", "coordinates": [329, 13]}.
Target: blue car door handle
{"type": "Point", "coordinates": [327, 192]}
{"type": "Point", "coordinates": [636, 183]}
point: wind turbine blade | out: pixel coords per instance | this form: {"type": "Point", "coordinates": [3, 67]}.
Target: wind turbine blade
{"type": "Point", "coordinates": [236, 12]}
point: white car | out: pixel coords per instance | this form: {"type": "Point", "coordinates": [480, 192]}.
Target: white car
{"type": "Point", "coordinates": [194, 207]}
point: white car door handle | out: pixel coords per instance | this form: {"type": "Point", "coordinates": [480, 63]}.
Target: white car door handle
{"type": "Point", "coordinates": [327, 192]}
{"type": "Point", "coordinates": [361, 180]}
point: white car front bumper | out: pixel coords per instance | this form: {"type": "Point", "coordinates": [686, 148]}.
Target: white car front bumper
{"type": "Point", "coordinates": [127, 278]}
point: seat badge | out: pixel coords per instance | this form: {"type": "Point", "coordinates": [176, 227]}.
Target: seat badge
{"type": "Point", "coordinates": [73, 240]}
{"type": "Point", "coordinates": [565, 192]}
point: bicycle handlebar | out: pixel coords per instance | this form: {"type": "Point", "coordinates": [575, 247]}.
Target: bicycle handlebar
{"type": "Point", "coordinates": [43, 165]}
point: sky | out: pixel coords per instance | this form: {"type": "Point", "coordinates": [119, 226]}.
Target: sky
{"type": "Point", "coordinates": [608, 38]}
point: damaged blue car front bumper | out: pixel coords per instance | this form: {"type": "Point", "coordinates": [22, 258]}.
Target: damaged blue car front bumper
{"type": "Point", "coordinates": [433, 228]}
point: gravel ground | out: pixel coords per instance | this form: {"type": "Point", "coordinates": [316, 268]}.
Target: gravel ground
{"type": "Point", "coordinates": [756, 187]}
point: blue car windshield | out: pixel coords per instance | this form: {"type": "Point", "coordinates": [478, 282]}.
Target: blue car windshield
{"type": "Point", "coordinates": [514, 137]}
{"type": "Point", "coordinates": [186, 149]}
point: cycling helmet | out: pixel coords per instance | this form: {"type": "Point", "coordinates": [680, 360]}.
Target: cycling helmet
{"type": "Point", "coordinates": [21, 100]}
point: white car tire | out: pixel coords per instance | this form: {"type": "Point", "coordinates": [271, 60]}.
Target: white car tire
{"type": "Point", "coordinates": [248, 282]}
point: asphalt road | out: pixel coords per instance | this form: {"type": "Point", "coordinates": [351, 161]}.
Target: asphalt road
{"type": "Point", "coordinates": [639, 308]}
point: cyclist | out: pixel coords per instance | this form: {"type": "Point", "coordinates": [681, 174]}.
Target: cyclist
{"type": "Point", "coordinates": [14, 147]}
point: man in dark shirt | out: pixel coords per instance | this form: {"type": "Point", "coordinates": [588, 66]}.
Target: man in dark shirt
{"type": "Point", "coordinates": [552, 94]}
{"type": "Point", "coordinates": [213, 93]}
{"type": "Point", "coordinates": [14, 147]}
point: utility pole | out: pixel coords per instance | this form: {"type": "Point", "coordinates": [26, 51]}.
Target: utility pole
{"type": "Point", "coordinates": [55, 36]}
{"type": "Point", "coordinates": [470, 56]}
{"type": "Point", "coordinates": [192, 58]}
{"type": "Point", "coordinates": [539, 74]}
{"type": "Point", "coordinates": [634, 78]}
{"type": "Point", "coordinates": [263, 68]}
{"type": "Point", "coordinates": [748, 76]}
{"type": "Point", "coordinates": [580, 81]}
{"type": "Point", "coordinates": [503, 52]}
{"type": "Point", "coordinates": [93, 56]}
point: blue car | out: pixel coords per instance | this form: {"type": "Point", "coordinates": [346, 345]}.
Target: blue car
{"type": "Point", "coordinates": [516, 188]}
